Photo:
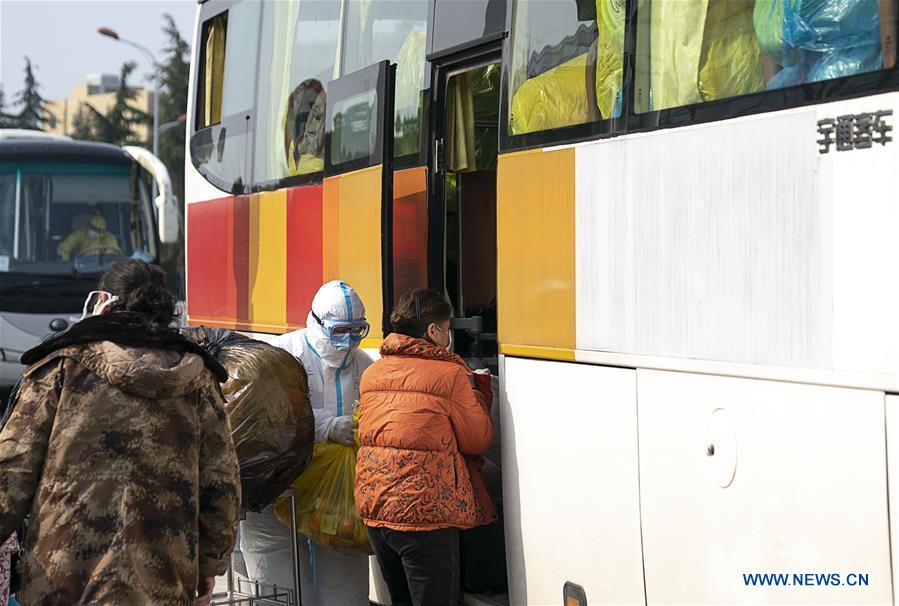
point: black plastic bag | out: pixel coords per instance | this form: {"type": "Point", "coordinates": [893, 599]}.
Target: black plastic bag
{"type": "Point", "coordinates": [267, 402]}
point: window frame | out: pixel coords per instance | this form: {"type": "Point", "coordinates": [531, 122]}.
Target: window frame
{"type": "Point", "coordinates": [803, 95]}
{"type": "Point", "coordinates": [414, 159]}
{"type": "Point", "coordinates": [241, 123]}
{"type": "Point", "coordinates": [377, 77]}
{"type": "Point", "coordinates": [312, 178]}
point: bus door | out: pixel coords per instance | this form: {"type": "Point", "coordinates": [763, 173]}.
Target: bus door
{"type": "Point", "coordinates": [358, 188]}
{"type": "Point", "coordinates": [462, 242]}
{"type": "Point", "coordinates": [463, 217]}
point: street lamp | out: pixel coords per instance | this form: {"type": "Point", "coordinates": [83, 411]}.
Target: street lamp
{"type": "Point", "coordinates": [180, 120]}
{"type": "Point", "coordinates": [109, 33]}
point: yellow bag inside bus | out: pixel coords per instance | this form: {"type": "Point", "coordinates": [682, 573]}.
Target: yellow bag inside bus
{"type": "Point", "coordinates": [702, 50]}
{"type": "Point", "coordinates": [731, 58]}
{"type": "Point", "coordinates": [553, 99]}
{"type": "Point", "coordinates": [609, 55]}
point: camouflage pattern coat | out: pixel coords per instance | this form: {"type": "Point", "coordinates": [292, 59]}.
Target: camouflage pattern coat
{"type": "Point", "coordinates": [124, 459]}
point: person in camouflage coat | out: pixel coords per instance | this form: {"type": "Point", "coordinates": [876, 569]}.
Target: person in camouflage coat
{"type": "Point", "coordinates": [119, 449]}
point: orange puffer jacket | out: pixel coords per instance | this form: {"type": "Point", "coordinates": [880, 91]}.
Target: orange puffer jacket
{"type": "Point", "coordinates": [421, 424]}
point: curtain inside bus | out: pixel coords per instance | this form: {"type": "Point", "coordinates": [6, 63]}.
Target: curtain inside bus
{"type": "Point", "coordinates": [214, 68]}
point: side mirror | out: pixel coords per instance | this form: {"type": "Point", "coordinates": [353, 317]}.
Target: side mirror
{"type": "Point", "coordinates": [166, 202]}
{"type": "Point", "coordinates": [167, 213]}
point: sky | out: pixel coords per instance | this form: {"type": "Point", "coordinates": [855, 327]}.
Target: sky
{"type": "Point", "coordinates": [60, 37]}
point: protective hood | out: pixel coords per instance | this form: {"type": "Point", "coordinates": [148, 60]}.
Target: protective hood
{"type": "Point", "coordinates": [335, 300]}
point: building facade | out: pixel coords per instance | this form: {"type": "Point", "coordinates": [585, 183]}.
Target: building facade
{"type": "Point", "coordinates": [98, 91]}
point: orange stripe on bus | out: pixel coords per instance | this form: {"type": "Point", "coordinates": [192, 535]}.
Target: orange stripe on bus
{"type": "Point", "coordinates": [268, 260]}
{"type": "Point", "coordinates": [536, 248]}
{"type": "Point", "coordinates": [351, 228]}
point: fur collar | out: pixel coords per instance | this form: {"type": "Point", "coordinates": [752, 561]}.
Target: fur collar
{"type": "Point", "coordinates": [128, 329]}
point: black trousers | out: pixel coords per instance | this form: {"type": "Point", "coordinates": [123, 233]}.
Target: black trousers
{"type": "Point", "coordinates": [420, 568]}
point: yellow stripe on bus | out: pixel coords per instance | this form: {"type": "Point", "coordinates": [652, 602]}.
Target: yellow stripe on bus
{"type": "Point", "coordinates": [351, 224]}
{"type": "Point", "coordinates": [533, 351]}
{"type": "Point", "coordinates": [268, 260]}
{"type": "Point", "coordinates": [536, 248]}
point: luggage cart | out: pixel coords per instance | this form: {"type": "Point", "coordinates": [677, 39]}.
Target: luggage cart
{"type": "Point", "coordinates": [244, 592]}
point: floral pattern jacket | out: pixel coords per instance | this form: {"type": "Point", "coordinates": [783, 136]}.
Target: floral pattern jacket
{"type": "Point", "coordinates": [422, 423]}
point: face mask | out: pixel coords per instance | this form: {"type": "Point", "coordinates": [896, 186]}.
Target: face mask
{"type": "Point", "coordinates": [93, 306]}
{"type": "Point", "coordinates": [449, 336]}
{"type": "Point", "coordinates": [342, 342]}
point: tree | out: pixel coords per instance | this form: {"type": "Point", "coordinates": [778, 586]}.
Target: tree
{"type": "Point", "coordinates": [82, 124]}
{"type": "Point", "coordinates": [174, 74]}
{"type": "Point", "coordinates": [6, 121]}
{"type": "Point", "coordinates": [118, 126]}
{"type": "Point", "coordinates": [34, 114]}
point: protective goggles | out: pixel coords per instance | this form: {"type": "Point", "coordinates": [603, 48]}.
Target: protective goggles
{"type": "Point", "coordinates": [341, 329]}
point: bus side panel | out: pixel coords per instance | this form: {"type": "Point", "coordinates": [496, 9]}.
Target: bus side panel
{"type": "Point", "coordinates": [570, 481]}
{"type": "Point", "coordinates": [682, 231]}
{"type": "Point", "coordinates": [743, 477]}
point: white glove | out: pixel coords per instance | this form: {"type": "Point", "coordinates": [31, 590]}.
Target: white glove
{"type": "Point", "coordinates": [341, 430]}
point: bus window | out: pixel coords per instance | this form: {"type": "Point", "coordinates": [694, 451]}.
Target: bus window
{"type": "Point", "coordinates": [65, 217]}
{"type": "Point", "coordinates": [567, 60]}
{"type": "Point", "coordinates": [297, 63]}
{"type": "Point", "coordinates": [212, 71]}
{"type": "Point", "coordinates": [224, 97]}
{"type": "Point", "coordinates": [747, 46]}
{"type": "Point", "coordinates": [354, 128]}
{"type": "Point", "coordinates": [397, 31]}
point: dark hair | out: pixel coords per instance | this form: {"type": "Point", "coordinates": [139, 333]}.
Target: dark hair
{"type": "Point", "coordinates": [140, 288]}
{"type": "Point", "coordinates": [418, 309]}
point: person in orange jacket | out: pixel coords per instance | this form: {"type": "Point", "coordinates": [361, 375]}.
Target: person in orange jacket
{"type": "Point", "coordinates": [422, 422]}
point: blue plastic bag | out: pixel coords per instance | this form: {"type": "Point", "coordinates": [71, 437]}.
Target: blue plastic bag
{"type": "Point", "coordinates": [813, 40]}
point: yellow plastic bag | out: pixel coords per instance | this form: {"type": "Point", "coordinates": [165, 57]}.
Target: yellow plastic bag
{"type": "Point", "coordinates": [609, 56]}
{"type": "Point", "coordinates": [702, 50]}
{"type": "Point", "coordinates": [731, 59]}
{"type": "Point", "coordinates": [326, 509]}
{"type": "Point", "coordinates": [554, 99]}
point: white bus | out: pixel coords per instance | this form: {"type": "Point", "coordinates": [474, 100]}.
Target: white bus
{"type": "Point", "coordinates": [670, 226]}
{"type": "Point", "coordinates": [52, 190]}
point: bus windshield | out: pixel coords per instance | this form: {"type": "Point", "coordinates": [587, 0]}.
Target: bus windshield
{"type": "Point", "coordinates": [67, 218]}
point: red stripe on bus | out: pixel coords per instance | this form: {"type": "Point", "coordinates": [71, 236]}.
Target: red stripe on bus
{"type": "Point", "coordinates": [239, 259]}
{"type": "Point", "coordinates": [410, 231]}
{"type": "Point", "coordinates": [304, 250]}
{"type": "Point", "coordinates": [217, 260]}
{"type": "Point", "coordinates": [207, 258]}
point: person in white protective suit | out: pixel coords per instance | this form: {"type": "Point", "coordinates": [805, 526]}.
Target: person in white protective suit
{"type": "Point", "coordinates": [328, 350]}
